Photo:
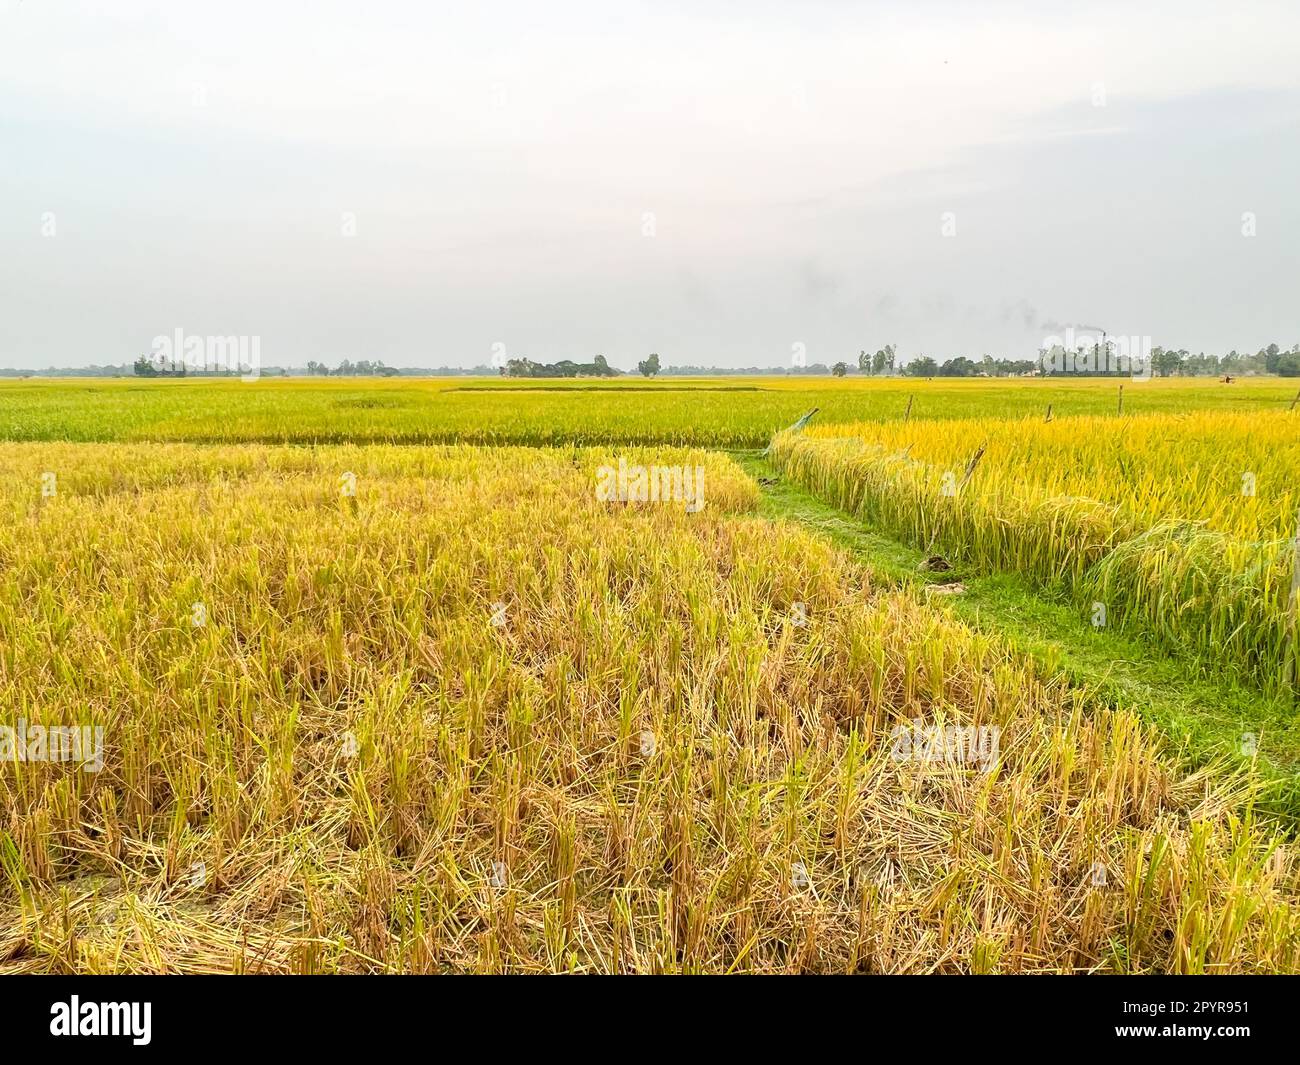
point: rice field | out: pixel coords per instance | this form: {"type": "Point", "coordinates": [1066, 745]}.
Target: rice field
{"type": "Point", "coordinates": [1181, 525]}
{"type": "Point", "coordinates": [402, 705]}
{"type": "Point", "coordinates": [721, 412]}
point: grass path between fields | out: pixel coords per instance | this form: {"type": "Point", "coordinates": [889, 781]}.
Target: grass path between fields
{"type": "Point", "coordinates": [1205, 718]}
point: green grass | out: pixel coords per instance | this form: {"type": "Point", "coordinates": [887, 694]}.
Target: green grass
{"type": "Point", "coordinates": [1204, 718]}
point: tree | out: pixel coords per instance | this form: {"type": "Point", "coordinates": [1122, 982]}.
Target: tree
{"type": "Point", "coordinates": [864, 362]}
{"type": "Point", "coordinates": [839, 369]}
{"type": "Point", "coordinates": [1166, 363]}
{"type": "Point", "coordinates": [958, 367]}
{"type": "Point", "coordinates": [648, 367]}
{"type": "Point", "coordinates": [922, 367]}
{"type": "Point", "coordinates": [158, 366]}
{"type": "Point", "coordinates": [883, 360]}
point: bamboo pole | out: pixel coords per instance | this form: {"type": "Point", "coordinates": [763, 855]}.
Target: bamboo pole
{"type": "Point", "coordinates": [1295, 572]}
{"type": "Point", "coordinates": [970, 472]}
{"type": "Point", "coordinates": [975, 461]}
{"type": "Point", "coordinates": [1294, 602]}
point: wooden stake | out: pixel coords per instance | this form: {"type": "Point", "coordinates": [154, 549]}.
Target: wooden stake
{"type": "Point", "coordinates": [1294, 602]}
{"type": "Point", "coordinates": [1295, 401]}
{"type": "Point", "coordinates": [970, 471]}
{"type": "Point", "coordinates": [1121, 399]}
{"type": "Point", "coordinates": [908, 413]}
{"type": "Point", "coordinates": [970, 466]}
{"type": "Point", "coordinates": [1049, 413]}
{"type": "Point", "coordinates": [1295, 567]}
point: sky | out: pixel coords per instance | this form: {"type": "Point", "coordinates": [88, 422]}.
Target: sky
{"type": "Point", "coordinates": [720, 183]}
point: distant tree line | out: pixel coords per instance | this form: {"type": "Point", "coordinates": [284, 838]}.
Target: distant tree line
{"type": "Point", "coordinates": [140, 369]}
{"type": "Point", "coordinates": [1097, 361]}
{"type": "Point", "coordinates": [347, 368]}
{"type": "Point", "coordinates": [884, 362]}
{"type": "Point", "coordinates": [144, 366]}
{"type": "Point", "coordinates": [1165, 362]}
{"type": "Point", "coordinates": [598, 367]}
{"type": "Point", "coordinates": [925, 366]}
{"type": "Point", "coordinates": [1168, 362]}
{"type": "Point", "coordinates": [1171, 362]}
{"type": "Point", "coordinates": [147, 367]}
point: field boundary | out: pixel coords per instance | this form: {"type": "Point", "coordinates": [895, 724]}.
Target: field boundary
{"type": "Point", "coordinates": [1205, 718]}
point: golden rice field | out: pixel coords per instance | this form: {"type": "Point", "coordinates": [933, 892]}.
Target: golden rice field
{"type": "Point", "coordinates": [717, 412]}
{"type": "Point", "coordinates": [415, 706]}
{"type": "Point", "coordinates": [1181, 525]}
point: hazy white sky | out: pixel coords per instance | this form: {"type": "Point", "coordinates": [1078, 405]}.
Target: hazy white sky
{"type": "Point", "coordinates": [712, 181]}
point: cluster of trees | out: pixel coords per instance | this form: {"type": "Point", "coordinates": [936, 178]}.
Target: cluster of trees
{"type": "Point", "coordinates": [147, 367]}
{"type": "Point", "coordinates": [648, 367]}
{"type": "Point", "coordinates": [1181, 363]}
{"type": "Point", "coordinates": [68, 371]}
{"type": "Point", "coordinates": [882, 362]}
{"type": "Point", "coordinates": [964, 367]}
{"type": "Point", "coordinates": [347, 368]}
{"type": "Point", "coordinates": [598, 367]}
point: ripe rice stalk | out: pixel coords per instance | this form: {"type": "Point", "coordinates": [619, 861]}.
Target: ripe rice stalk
{"type": "Point", "coordinates": [486, 721]}
{"type": "Point", "coordinates": [1180, 524]}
